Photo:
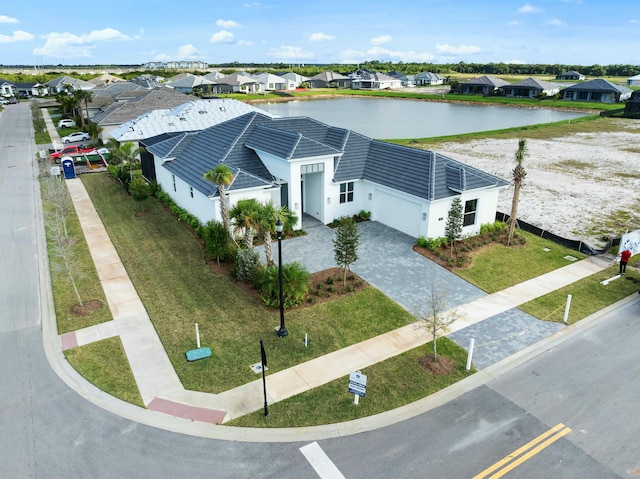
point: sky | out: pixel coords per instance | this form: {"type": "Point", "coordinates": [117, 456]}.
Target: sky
{"type": "Point", "coordinates": [571, 32]}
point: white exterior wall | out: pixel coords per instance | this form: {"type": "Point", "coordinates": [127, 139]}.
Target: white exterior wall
{"type": "Point", "coordinates": [334, 209]}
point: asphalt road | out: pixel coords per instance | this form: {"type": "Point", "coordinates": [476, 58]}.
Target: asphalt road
{"type": "Point", "coordinates": [588, 384]}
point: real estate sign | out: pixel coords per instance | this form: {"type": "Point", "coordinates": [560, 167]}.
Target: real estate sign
{"type": "Point", "coordinates": [358, 383]}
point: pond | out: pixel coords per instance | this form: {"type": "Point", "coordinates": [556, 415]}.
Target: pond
{"type": "Point", "coordinates": [386, 118]}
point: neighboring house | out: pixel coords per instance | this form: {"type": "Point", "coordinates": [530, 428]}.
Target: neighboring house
{"type": "Point", "coordinates": [60, 84]}
{"type": "Point", "coordinates": [148, 81]}
{"type": "Point", "coordinates": [237, 83]}
{"type": "Point", "coordinates": [273, 82]}
{"type": "Point", "coordinates": [7, 88]}
{"type": "Point", "coordinates": [405, 80]}
{"type": "Point", "coordinates": [571, 75]}
{"type": "Point", "coordinates": [120, 112]}
{"type": "Point", "coordinates": [485, 85]}
{"type": "Point", "coordinates": [325, 172]}
{"type": "Point", "coordinates": [214, 75]}
{"type": "Point", "coordinates": [192, 116]}
{"type": "Point", "coordinates": [329, 79]}
{"type": "Point", "coordinates": [295, 78]}
{"type": "Point", "coordinates": [530, 88]}
{"type": "Point", "coordinates": [596, 90]}
{"type": "Point", "coordinates": [105, 79]}
{"type": "Point", "coordinates": [428, 79]}
{"type": "Point", "coordinates": [186, 65]}
{"type": "Point", "coordinates": [366, 80]}
{"type": "Point", "coordinates": [633, 81]}
{"type": "Point", "coordinates": [31, 89]}
{"type": "Point", "coordinates": [105, 95]}
{"type": "Point", "coordinates": [190, 83]}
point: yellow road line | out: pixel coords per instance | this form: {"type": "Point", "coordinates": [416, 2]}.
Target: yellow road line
{"type": "Point", "coordinates": [538, 444]}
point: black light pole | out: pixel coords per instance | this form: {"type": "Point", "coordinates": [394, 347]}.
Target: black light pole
{"type": "Point", "coordinates": [282, 332]}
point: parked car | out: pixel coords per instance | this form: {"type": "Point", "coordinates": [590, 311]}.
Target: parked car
{"type": "Point", "coordinates": [3, 102]}
{"type": "Point", "coordinates": [76, 136]}
{"type": "Point", "coordinates": [66, 122]}
{"type": "Point", "coordinates": [71, 150]}
{"type": "Point", "coordinates": [12, 100]}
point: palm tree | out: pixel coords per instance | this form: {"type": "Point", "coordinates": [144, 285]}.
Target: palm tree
{"type": "Point", "coordinates": [94, 130]}
{"type": "Point", "coordinates": [245, 216]}
{"type": "Point", "coordinates": [66, 102]}
{"type": "Point", "coordinates": [81, 97]}
{"type": "Point", "coordinates": [222, 176]}
{"type": "Point", "coordinates": [518, 174]}
{"type": "Point", "coordinates": [269, 214]}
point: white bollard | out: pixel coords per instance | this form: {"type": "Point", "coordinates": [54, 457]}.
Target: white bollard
{"type": "Point", "coordinates": [197, 336]}
{"type": "Point", "coordinates": [566, 309]}
{"type": "Point", "coordinates": [470, 355]}
{"type": "Point", "coordinates": [306, 342]}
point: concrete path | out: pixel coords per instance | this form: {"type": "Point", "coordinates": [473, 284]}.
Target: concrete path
{"type": "Point", "coordinates": [398, 269]}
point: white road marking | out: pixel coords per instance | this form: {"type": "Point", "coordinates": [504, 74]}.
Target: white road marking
{"type": "Point", "coordinates": [320, 462]}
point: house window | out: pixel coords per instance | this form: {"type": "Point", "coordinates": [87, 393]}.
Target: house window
{"type": "Point", "coordinates": [173, 178]}
{"type": "Point", "coordinates": [346, 192]}
{"type": "Point", "coordinates": [470, 208]}
{"type": "Point", "coordinates": [191, 191]}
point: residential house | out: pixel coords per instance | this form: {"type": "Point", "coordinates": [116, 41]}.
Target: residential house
{"type": "Point", "coordinates": [325, 172]}
{"type": "Point", "coordinates": [105, 79]}
{"type": "Point", "coordinates": [190, 83]}
{"type": "Point", "coordinates": [295, 78]}
{"type": "Point", "coordinates": [329, 79]}
{"type": "Point", "coordinates": [366, 80]}
{"type": "Point", "coordinates": [273, 82]}
{"type": "Point", "coordinates": [530, 88]}
{"type": "Point", "coordinates": [214, 75]}
{"type": "Point", "coordinates": [237, 83]}
{"type": "Point", "coordinates": [407, 81]}
{"type": "Point", "coordinates": [194, 115]}
{"type": "Point", "coordinates": [571, 75]}
{"type": "Point", "coordinates": [122, 111]}
{"type": "Point", "coordinates": [633, 81]}
{"type": "Point", "coordinates": [7, 88]}
{"type": "Point", "coordinates": [428, 79]}
{"type": "Point", "coordinates": [485, 85]}
{"type": "Point", "coordinates": [186, 65]}
{"type": "Point", "coordinates": [31, 89]}
{"type": "Point", "coordinates": [109, 93]}
{"type": "Point", "coordinates": [148, 81]}
{"type": "Point", "coordinates": [596, 90]}
{"type": "Point", "coordinates": [64, 83]}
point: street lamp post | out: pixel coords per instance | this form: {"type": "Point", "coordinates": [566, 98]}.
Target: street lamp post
{"type": "Point", "coordinates": [282, 332]}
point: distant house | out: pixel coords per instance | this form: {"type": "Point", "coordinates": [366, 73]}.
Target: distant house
{"type": "Point", "coordinates": [214, 75]}
{"type": "Point", "coordinates": [571, 75]}
{"type": "Point", "coordinates": [325, 172]}
{"type": "Point", "coordinates": [148, 81]}
{"type": "Point", "coordinates": [596, 90]}
{"type": "Point", "coordinates": [366, 80]}
{"type": "Point", "coordinates": [105, 79]}
{"type": "Point", "coordinates": [7, 88]}
{"type": "Point", "coordinates": [190, 83]}
{"type": "Point", "coordinates": [530, 88]}
{"type": "Point", "coordinates": [632, 107]}
{"type": "Point", "coordinates": [428, 79]}
{"type": "Point", "coordinates": [295, 78]}
{"type": "Point", "coordinates": [31, 89]}
{"type": "Point", "coordinates": [273, 82]}
{"type": "Point", "coordinates": [237, 83]}
{"type": "Point", "coordinates": [176, 65]}
{"type": "Point", "coordinates": [405, 80]}
{"type": "Point", "coordinates": [61, 84]}
{"type": "Point", "coordinates": [485, 85]}
{"type": "Point", "coordinates": [329, 79]}
{"type": "Point", "coordinates": [633, 81]}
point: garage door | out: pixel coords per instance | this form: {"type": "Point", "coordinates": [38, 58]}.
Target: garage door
{"type": "Point", "coordinates": [397, 213]}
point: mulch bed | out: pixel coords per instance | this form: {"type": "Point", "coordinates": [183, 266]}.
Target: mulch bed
{"type": "Point", "coordinates": [87, 308]}
{"type": "Point", "coordinates": [441, 366]}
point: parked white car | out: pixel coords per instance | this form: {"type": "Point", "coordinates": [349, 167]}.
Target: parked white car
{"type": "Point", "coordinates": [68, 123]}
{"type": "Point", "coordinates": [76, 136]}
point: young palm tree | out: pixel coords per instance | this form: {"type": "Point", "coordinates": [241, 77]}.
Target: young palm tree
{"type": "Point", "coordinates": [245, 217]}
{"type": "Point", "coordinates": [518, 174]}
{"type": "Point", "coordinates": [221, 176]}
{"type": "Point", "coordinates": [269, 214]}
{"type": "Point", "coordinates": [80, 97]}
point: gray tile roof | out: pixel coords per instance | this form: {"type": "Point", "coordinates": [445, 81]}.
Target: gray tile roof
{"type": "Point", "coordinates": [598, 84]}
{"type": "Point", "coordinates": [535, 83]}
{"type": "Point", "coordinates": [119, 113]}
{"type": "Point", "coordinates": [487, 81]}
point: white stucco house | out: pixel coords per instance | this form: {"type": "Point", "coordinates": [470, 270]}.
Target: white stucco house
{"type": "Point", "coordinates": [633, 81]}
{"type": "Point", "coordinates": [325, 172]}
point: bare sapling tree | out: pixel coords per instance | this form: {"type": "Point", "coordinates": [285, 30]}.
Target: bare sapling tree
{"type": "Point", "coordinates": [434, 315]}
{"type": "Point", "coordinates": [517, 175]}
{"type": "Point", "coordinates": [63, 256]}
{"type": "Point", "coordinates": [58, 202]}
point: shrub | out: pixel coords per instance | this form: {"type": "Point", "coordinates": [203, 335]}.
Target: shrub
{"type": "Point", "coordinates": [247, 265]}
{"type": "Point", "coordinates": [431, 244]}
{"type": "Point", "coordinates": [330, 280]}
{"type": "Point", "coordinates": [295, 284]}
{"type": "Point", "coordinates": [216, 241]}
{"type": "Point", "coordinates": [364, 215]}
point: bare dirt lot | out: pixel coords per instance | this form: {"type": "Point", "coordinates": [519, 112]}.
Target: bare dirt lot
{"type": "Point", "coordinates": [583, 186]}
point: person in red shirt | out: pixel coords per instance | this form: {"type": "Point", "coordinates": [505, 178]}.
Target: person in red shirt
{"type": "Point", "coordinates": [624, 259]}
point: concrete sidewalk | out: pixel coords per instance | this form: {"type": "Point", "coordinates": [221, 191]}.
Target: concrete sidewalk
{"type": "Point", "coordinates": [159, 385]}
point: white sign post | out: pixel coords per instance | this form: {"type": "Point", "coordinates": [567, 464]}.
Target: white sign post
{"type": "Point", "coordinates": [357, 385]}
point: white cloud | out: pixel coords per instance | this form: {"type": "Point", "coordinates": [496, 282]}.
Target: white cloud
{"type": "Point", "coordinates": [321, 37]}
{"type": "Point", "coordinates": [69, 45]}
{"type": "Point", "coordinates": [554, 22]}
{"type": "Point", "coordinates": [5, 19]}
{"type": "Point", "coordinates": [409, 56]}
{"type": "Point", "coordinates": [380, 40]}
{"type": "Point", "coordinates": [18, 36]}
{"type": "Point", "coordinates": [244, 43]}
{"type": "Point", "coordinates": [188, 52]}
{"type": "Point", "coordinates": [288, 51]}
{"type": "Point", "coordinates": [633, 20]}
{"type": "Point", "coordinates": [528, 8]}
{"type": "Point", "coordinates": [227, 24]}
{"type": "Point", "coordinates": [457, 50]}
{"type": "Point", "coordinates": [514, 23]}
{"type": "Point", "coordinates": [351, 56]}
{"type": "Point", "coordinates": [222, 36]}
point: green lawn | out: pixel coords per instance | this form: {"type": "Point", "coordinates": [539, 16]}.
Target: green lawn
{"type": "Point", "coordinates": [166, 265]}
{"type": "Point", "coordinates": [497, 267]}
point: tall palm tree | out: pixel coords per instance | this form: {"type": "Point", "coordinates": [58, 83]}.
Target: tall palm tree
{"type": "Point", "coordinates": [222, 176]}
{"type": "Point", "coordinates": [245, 217]}
{"type": "Point", "coordinates": [82, 97]}
{"type": "Point", "coordinates": [517, 175]}
{"type": "Point", "coordinates": [268, 216]}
